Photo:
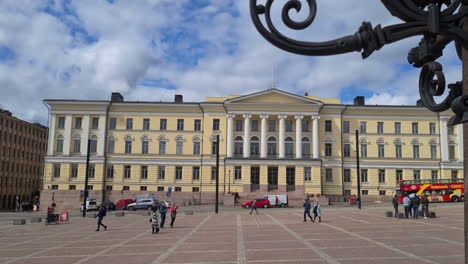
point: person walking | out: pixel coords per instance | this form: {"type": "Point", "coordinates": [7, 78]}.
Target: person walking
{"type": "Point", "coordinates": [277, 201]}
{"type": "Point", "coordinates": [154, 221]}
{"type": "Point", "coordinates": [395, 205]}
{"type": "Point", "coordinates": [307, 208]}
{"type": "Point", "coordinates": [415, 202]}
{"type": "Point", "coordinates": [162, 212]}
{"type": "Point", "coordinates": [254, 206]}
{"type": "Point", "coordinates": [173, 211]}
{"type": "Point", "coordinates": [407, 205]}
{"type": "Point", "coordinates": [425, 206]}
{"type": "Point", "coordinates": [102, 211]}
{"type": "Point", "coordinates": [317, 212]}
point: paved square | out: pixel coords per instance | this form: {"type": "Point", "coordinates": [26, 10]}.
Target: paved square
{"type": "Point", "coordinates": [345, 236]}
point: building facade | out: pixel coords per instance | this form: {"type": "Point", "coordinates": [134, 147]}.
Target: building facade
{"type": "Point", "coordinates": [22, 150]}
{"type": "Point", "coordinates": [270, 142]}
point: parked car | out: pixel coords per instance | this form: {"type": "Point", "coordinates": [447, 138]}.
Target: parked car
{"type": "Point", "coordinates": [122, 204]}
{"type": "Point", "coordinates": [141, 204]}
{"type": "Point", "coordinates": [262, 202]}
{"type": "Point", "coordinates": [283, 199]}
{"type": "Point", "coordinates": [90, 205]}
{"type": "Point", "coordinates": [110, 206]}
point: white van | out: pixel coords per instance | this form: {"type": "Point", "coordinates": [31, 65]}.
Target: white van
{"type": "Point", "coordinates": [283, 200]}
{"type": "Point", "coordinates": [90, 205]}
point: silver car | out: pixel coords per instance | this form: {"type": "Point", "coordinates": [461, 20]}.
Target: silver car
{"type": "Point", "coordinates": [142, 204]}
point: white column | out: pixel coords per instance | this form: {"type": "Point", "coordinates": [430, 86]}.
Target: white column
{"type": "Point", "coordinates": [52, 125]}
{"type": "Point", "coordinates": [281, 136]}
{"type": "Point", "coordinates": [315, 137]}
{"type": "Point", "coordinates": [443, 139]}
{"type": "Point", "coordinates": [67, 136]}
{"type": "Point", "coordinates": [263, 137]}
{"type": "Point", "coordinates": [85, 135]}
{"type": "Point", "coordinates": [247, 135]}
{"type": "Point", "coordinates": [460, 142]}
{"type": "Point", "coordinates": [230, 143]}
{"type": "Point", "coordinates": [299, 136]}
{"type": "Point", "coordinates": [102, 135]}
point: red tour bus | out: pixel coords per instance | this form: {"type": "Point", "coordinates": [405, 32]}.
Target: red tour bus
{"type": "Point", "coordinates": [444, 190]}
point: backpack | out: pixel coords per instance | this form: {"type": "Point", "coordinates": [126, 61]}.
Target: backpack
{"type": "Point", "coordinates": [315, 210]}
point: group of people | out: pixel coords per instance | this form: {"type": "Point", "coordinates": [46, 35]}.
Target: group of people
{"type": "Point", "coordinates": [163, 209]}
{"type": "Point", "coordinates": [317, 211]}
{"type": "Point", "coordinates": [411, 205]}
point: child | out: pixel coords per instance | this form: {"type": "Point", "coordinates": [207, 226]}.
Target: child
{"type": "Point", "coordinates": [154, 222]}
{"type": "Point", "coordinates": [317, 212]}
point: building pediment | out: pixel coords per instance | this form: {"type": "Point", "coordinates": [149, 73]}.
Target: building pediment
{"type": "Point", "coordinates": [273, 97]}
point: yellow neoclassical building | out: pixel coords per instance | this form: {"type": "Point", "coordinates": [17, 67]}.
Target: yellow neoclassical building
{"type": "Point", "coordinates": [271, 142]}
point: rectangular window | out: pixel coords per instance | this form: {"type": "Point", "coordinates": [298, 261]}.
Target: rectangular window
{"type": "Point", "coordinates": [110, 171]}
{"type": "Point", "coordinates": [433, 151]}
{"type": "Point", "coordinates": [56, 170]}
{"type": "Point", "coordinates": [271, 125]}
{"type": "Point", "coordinates": [111, 146]}
{"type": "Point", "coordinates": [381, 148]}
{"type": "Point", "coordinates": [328, 149]}
{"type": "Point", "coordinates": [381, 176]}
{"type": "Point", "coordinates": [90, 187]}
{"type": "Point", "coordinates": [365, 192]}
{"type": "Point", "coordinates": [163, 124]}
{"type": "Point", "coordinates": [178, 189]}
{"type": "Point", "coordinates": [347, 175]}
{"type": "Point", "coordinates": [77, 145]}
{"type": "Point", "coordinates": [74, 170]}
{"type": "Point", "coordinates": [144, 172]}
{"type": "Point", "coordinates": [61, 122]}
{"type": "Point", "coordinates": [196, 173]}
{"type": "Point", "coordinates": [145, 147]}
{"type": "Point", "coordinates": [380, 127]}
{"type": "Point", "coordinates": [289, 126]}
{"type": "Point", "coordinates": [364, 178]}
{"type": "Point", "coordinates": [454, 174]}
{"type": "Point", "coordinates": [127, 172]}
{"type": "Point", "coordinates": [328, 126]}
{"type": "Point", "coordinates": [432, 128]}
{"type": "Point", "coordinates": [239, 124]}
{"type": "Point", "coordinates": [128, 146]}
{"type": "Point", "coordinates": [71, 187]}
{"type": "Point", "coordinates": [382, 193]}
{"type": "Point", "coordinates": [450, 130]}
{"type": "Point", "coordinates": [196, 148]}
{"type": "Point", "coordinates": [434, 175]}
{"type": "Point", "coordinates": [345, 126]}
{"type": "Point", "coordinates": [93, 146]}
{"type": "Point", "coordinates": [54, 187]}
{"type": "Point", "coordinates": [126, 188]}
{"type": "Point", "coordinates": [399, 175]}
{"type": "Point", "coordinates": [451, 152]}
{"type": "Point", "coordinates": [91, 170]}
{"type": "Point", "coordinates": [398, 151]}
{"type": "Point", "coordinates": [213, 173]}
{"type": "Point", "coordinates": [238, 173]}
{"type": "Point", "coordinates": [363, 150]}
{"type": "Point", "coordinates": [178, 173]}
{"type": "Point", "coordinates": [416, 151]}
{"type": "Point", "coordinates": [254, 125]}
{"type": "Point", "coordinates": [161, 172]}
{"type": "Point", "coordinates": [95, 123]}
{"type": "Point", "coordinates": [129, 125]}
{"type": "Point", "coordinates": [108, 187]}
{"type": "Point", "coordinates": [307, 173]}
{"type": "Point", "coordinates": [328, 175]}
{"type": "Point", "coordinates": [363, 126]}
{"type": "Point", "coordinates": [305, 125]}
{"type": "Point", "coordinates": [180, 125]}
{"type": "Point", "coordinates": [146, 124]}
{"type": "Point", "coordinates": [160, 189]}
{"type": "Point", "coordinates": [59, 145]}
{"type": "Point", "coordinates": [215, 124]}
{"type": "Point", "coordinates": [417, 175]}
{"type": "Point", "coordinates": [347, 150]}
{"type": "Point", "coordinates": [143, 188]}
{"type": "Point", "coordinates": [113, 123]}
{"type": "Point", "coordinates": [162, 147]}
{"type": "Point", "coordinates": [195, 189]}
{"type": "Point", "coordinates": [397, 128]}
{"type": "Point", "coordinates": [197, 125]}
{"type": "Point", "coordinates": [78, 122]}
{"type": "Point", "coordinates": [214, 147]}
{"type": "Point", "coordinates": [415, 127]}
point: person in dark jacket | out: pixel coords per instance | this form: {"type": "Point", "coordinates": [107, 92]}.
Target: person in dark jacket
{"type": "Point", "coordinates": [254, 206]}
{"type": "Point", "coordinates": [425, 206]}
{"type": "Point", "coordinates": [395, 205]}
{"type": "Point", "coordinates": [162, 212]}
{"type": "Point", "coordinates": [307, 208]}
{"type": "Point", "coordinates": [415, 202]}
{"type": "Point", "coordinates": [101, 213]}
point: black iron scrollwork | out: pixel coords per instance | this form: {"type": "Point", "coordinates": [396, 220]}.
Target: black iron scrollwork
{"type": "Point", "coordinates": [438, 21]}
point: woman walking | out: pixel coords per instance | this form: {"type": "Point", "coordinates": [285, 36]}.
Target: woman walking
{"type": "Point", "coordinates": [317, 212]}
{"type": "Point", "coordinates": [173, 211]}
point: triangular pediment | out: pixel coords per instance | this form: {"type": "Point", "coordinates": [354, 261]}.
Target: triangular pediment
{"type": "Point", "coordinates": [273, 96]}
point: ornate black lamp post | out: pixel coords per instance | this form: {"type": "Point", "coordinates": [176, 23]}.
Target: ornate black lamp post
{"type": "Point", "coordinates": [439, 22]}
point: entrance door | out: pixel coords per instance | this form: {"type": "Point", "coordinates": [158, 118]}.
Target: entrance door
{"type": "Point", "coordinates": [290, 179]}
{"type": "Point", "coordinates": [254, 178]}
{"type": "Point", "coordinates": [272, 178]}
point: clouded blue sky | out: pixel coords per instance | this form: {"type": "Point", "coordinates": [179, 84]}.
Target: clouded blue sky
{"type": "Point", "coordinates": [153, 49]}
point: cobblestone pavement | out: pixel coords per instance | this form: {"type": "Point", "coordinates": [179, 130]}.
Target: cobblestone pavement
{"type": "Point", "coordinates": [345, 236]}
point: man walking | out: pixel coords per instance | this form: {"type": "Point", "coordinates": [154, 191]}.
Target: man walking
{"type": "Point", "coordinates": [395, 205]}
{"type": "Point", "coordinates": [307, 210]}
{"type": "Point", "coordinates": [406, 205]}
{"type": "Point", "coordinates": [101, 213]}
{"type": "Point", "coordinates": [162, 211]}
{"type": "Point", "coordinates": [254, 206]}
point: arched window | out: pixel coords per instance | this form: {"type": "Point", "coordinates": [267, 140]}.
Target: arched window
{"type": "Point", "coordinates": [111, 144]}
{"type": "Point", "coordinates": [145, 144]}
{"type": "Point", "coordinates": [305, 147]}
{"type": "Point", "coordinates": [254, 146]}
{"type": "Point", "coordinates": [289, 147]}
{"type": "Point", "coordinates": [451, 146]}
{"type": "Point", "coordinates": [59, 144]}
{"type": "Point", "coordinates": [196, 145]}
{"type": "Point", "coordinates": [128, 144]}
{"type": "Point", "coordinates": [433, 145]}
{"type": "Point", "coordinates": [179, 145]}
{"type": "Point", "coordinates": [93, 144]}
{"type": "Point", "coordinates": [416, 150]}
{"type": "Point", "coordinates": [162, 144]}
{"type": "Point", "coordinates": [238, 146]}
{"type": "Point", "coordinates": [271, 145]}
{"type": "Point", "coordinates": [398, 148]}
{"type": "Point", "coordinates": [76, 143]}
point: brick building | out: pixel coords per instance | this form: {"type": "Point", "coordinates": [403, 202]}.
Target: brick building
{"type": "Point", "coordinates": [22, 150]}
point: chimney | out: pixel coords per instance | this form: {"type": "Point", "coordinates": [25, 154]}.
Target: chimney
{"type": "Point", "coordinates": [116, 98]}
{"type": "Point", "coordinates": [359, 100]}
{"type": "Point", "coordinates": [178, 98]}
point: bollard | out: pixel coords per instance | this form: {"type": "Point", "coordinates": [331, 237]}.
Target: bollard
{"type": "Point", "coordinates": [119, 213]}
{"type": "Point", "coordinates": [401, 216]}
{"type": "Point", "coordinates": [432, 215]}
{"type": "Point", "coordinates": [389, 214]}
{"type": "Point", "coordinates": [19, 221]}
{"type": "Point", "coordinates": [35, 220]}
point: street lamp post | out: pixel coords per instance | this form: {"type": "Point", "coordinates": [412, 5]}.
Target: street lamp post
{"type": "Point", "coordinates": [358, 172]}
{"type": "Point", "coordinates": [439, 22]}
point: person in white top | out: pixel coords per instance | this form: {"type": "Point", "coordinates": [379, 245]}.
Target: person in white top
{"type": "Point", "coordinates": [407, 205]}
